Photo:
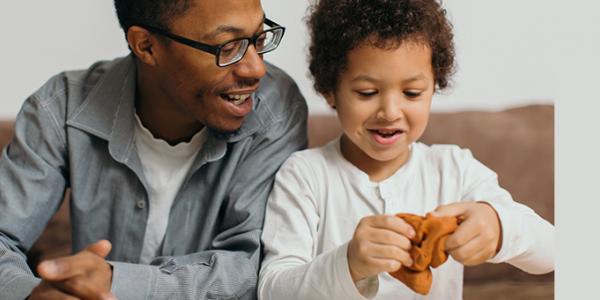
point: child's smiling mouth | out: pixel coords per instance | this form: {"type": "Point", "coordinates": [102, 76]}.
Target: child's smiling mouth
{"type": "Point", "coordinates": [385, 136]}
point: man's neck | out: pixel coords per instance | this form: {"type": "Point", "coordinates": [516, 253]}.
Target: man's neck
{"type": "Point", "coordinates": [160, 117]}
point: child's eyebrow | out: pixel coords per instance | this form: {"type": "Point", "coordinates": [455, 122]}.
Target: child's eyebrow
{"type": "Point", "coordinates": [414, 78]}
{"type": "Point", "coordinates": [364, 77]}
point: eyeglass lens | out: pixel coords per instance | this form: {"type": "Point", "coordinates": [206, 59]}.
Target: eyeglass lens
{"type": "Point", "coordinates": [234, 50]}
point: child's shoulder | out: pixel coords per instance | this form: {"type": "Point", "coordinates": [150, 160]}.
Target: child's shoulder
{"type": "Point", "coordinates": [318, 157]}
{"type": "Point", "coordinates": [443, 153]}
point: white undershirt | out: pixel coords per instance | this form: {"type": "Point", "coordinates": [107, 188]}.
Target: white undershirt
{"type": "Point", "coordinates": [165, 168]}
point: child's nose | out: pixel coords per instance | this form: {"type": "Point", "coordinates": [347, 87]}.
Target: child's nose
{"type": "Point", "coordinates": [390, 108]}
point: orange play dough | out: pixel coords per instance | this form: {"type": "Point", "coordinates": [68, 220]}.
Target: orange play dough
{"type": "Point", "coordinates": [427, 249]}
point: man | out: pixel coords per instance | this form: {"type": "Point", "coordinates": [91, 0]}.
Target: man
{"type": "Point", "coordinates": [169, 153]}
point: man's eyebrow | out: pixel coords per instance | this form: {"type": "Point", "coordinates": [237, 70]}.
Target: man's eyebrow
{"type": "Point", "coordinates": [223, 29]}
{"type": "Point", "coordinates": [364, 78]}
{"type": "Point", "coordinates": [228, 29]}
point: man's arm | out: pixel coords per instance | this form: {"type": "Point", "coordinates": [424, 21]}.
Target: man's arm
{"type": "Point", "coordinates": [230, 269]}
{"type": "Point", "coordinates": [32, 184]}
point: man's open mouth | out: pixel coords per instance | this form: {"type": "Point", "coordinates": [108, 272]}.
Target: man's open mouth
{"type": "Point", "coordinates": [237, 99]}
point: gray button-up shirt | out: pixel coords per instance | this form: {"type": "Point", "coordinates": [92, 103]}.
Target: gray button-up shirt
{"type": "Point", "coordinates": [77, 132]}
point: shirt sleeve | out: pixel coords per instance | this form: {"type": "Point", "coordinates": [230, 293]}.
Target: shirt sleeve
{"type": "Point", "coordinates": [230, 269]}
{"type": "Point", "coordinates": [291, 268]}
{"type": "Point", "coordinates": [32, 185]}
{"type": "Point", "coordinates": [527, 239]}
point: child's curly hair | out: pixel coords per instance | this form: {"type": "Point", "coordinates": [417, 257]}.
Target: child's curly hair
{"type": "Point", "coordinates": [338, 26]}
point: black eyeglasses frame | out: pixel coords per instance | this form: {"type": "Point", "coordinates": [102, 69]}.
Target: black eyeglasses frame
{"type": "Point", "coordinates": [216, 50]}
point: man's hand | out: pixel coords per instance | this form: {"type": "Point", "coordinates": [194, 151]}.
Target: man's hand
{"type": "Point", "coordinates": [85, 275]}
{"type": "Point", "coordinates": [380, 244]}
{"type": "Point", "coordinates": [478, 237]}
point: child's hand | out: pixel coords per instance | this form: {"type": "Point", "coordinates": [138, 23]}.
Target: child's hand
{"type": "Point", "coordinates": [478, 237]}
{"type": "Point", "coordinates": [380, 244]}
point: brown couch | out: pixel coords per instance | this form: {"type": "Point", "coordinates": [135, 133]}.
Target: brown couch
{"type": "Point", "coordinates": [517, 143]}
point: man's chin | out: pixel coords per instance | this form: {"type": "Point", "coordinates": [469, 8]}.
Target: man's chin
{"type": "Point", "coordinates": [225, 131]}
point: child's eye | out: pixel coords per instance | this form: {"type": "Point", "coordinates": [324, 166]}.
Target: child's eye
{"type": "Point", "coordinates": [412, 94]}
{"type": "Point", "coordinates": [367, 93]}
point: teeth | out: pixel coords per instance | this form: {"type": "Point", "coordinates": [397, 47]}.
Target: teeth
{"type": "Point", "coordinates": [387, 133]}
{"type": "Point", "coordinates": [237, 99]}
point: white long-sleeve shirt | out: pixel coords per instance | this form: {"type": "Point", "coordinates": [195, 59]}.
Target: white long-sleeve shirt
{"type": "Point", "coordinates": [319, 198]}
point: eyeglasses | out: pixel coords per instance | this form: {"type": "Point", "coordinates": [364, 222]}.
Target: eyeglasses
{"type": "Point", "coordinates": [232, 51]}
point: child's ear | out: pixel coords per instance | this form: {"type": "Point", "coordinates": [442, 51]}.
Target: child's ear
{"type": "Point", "coordinates": [329, 96]}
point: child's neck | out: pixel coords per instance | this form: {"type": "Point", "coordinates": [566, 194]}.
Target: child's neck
{"type": "Point", "coordinates": [376, 169]}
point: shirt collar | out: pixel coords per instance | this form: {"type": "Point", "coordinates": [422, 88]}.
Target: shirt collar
{"type": "Point", "coordinates": [108, 112]}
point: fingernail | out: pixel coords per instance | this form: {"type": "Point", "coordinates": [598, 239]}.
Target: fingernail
{"type": "Point", "coordinates": [411, 233]}
{"type": "Point", "coordinates": [49, 267]}
{"type": "Point", "coordinates": [108, 296]}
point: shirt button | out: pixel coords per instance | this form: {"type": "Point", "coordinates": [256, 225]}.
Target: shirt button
{"type": "Point", "coordinates": [141, 204]}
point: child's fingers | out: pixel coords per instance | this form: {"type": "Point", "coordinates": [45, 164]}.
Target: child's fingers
{"type": "Point", "coordinates": [466, 250]}
{"type": "Point", "coordinates": [467, 231]}
{"type": "Point", "coordinates": [472, 253]}
{"type": "Point", "coordinates": [388, 237]}
{"type": "Point", "coordinates": [379, 265]}
{"type": "Point", "coordinates": [393, 223]}
{"type": "Point", "coordinates": [380, 251]}
{"type": "Point", "coordinates": [452, 209]}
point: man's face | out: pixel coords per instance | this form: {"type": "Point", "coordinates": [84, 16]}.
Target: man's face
{"type": "Point", "coordinates": [196, 88]}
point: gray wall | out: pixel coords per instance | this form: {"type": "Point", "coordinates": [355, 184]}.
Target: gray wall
{"type": "Point", "coordinates": [506, 49]}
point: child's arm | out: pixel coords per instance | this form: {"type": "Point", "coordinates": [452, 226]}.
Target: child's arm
{"type": "Point", "coordinates": [295, 266]}
{"type": "Point", "coordinates": [291, 268]}
{"type": "Point", "coordinates": [520, 236]}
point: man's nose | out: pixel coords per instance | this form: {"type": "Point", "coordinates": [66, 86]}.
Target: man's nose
{"type": "Point", "coordinates": [251, 65]}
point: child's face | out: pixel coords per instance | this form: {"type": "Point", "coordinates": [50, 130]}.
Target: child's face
{"type": "Point", "coordinates": [382, 100]}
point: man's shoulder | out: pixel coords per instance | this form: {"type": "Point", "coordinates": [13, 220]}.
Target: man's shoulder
{"type": "Point", "coordinates": [66, 90]}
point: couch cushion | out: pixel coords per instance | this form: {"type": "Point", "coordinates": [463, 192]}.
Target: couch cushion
{"type": "Point", "coordinates": [6, 132]}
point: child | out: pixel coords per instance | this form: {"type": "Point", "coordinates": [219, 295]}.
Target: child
{"type": "Point", "coordinates": [330, 230]}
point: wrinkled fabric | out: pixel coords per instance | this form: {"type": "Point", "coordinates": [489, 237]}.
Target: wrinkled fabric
{"type": "Point", "coordinates": [77, 132]}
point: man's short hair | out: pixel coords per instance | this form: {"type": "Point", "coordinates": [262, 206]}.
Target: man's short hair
{"type": "Point", "coordinates": [158, 13]}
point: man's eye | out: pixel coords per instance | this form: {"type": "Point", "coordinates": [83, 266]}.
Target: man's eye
{"type": "Point", "coordinates": [228, 50]}
{"type": "Point", "coordinates": [260, 41]}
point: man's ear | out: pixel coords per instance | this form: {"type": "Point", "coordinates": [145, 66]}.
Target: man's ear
{"type": "Point", "coordinates": [141, 42]}
{"type": "Point", "coordinates": [330, 97]}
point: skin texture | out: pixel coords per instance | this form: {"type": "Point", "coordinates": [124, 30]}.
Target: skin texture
{"type": "Point", "coordinates": [178, 93]}
{"type": "Point", "coordinates": [179, 87]}
{"type": "Point", "coordinates": [383, 89]}
{"type": "Point", "coordinates": [392, 88]}
{"type": "Point", "coordinates": [379, 89]}
{"type": "Point", "coordinates": [478, 238]}
{"type": "Point", "coordinates": [85, 275]}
